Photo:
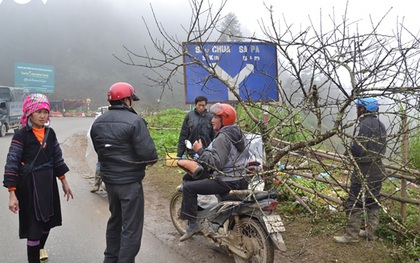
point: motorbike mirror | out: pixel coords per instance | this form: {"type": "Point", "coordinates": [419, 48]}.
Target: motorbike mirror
{"type": "Point", "coordinates": [188, 144]}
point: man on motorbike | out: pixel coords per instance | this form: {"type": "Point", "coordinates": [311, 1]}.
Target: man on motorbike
{"type": "Point", "coordinates": [226, 157]}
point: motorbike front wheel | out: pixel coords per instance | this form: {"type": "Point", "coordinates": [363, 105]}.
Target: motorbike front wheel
{"type": "Point", "coordinates": [175, 212]}
{"type": "Point", "coordinates": [255, 241]}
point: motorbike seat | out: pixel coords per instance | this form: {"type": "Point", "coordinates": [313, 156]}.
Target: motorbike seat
{"type": "Point", "coordinates": [258, 197]}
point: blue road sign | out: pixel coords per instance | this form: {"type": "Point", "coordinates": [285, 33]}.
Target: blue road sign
{"type": "Point", "coordinates": [248, 66]}
{"type": "Point", "coordinates": [35, 78]}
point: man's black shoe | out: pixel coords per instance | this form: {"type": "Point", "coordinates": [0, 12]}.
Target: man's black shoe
{"type": "Point", "coordinates": [192, 229]}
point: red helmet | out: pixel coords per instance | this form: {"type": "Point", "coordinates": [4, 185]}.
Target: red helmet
{"type": "Point", "coordinates": [121, 90]}
{"type": "Point", "coordinates": [227, 112]}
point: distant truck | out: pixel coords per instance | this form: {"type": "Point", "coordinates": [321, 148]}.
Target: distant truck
{"type": "Point", "coordinates": [11, 100]}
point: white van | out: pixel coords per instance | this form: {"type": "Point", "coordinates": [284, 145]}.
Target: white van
{"type": "Point", "coordinates": [101, 110]}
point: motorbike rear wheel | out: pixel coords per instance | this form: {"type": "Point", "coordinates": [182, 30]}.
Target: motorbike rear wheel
{"type": "Point", "coordinates": [175, 212]}
{"type": "Point", "coordinates": [256, 241]}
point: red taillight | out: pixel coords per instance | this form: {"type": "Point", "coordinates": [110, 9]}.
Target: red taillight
{"type": "Point", "coordinates": [272, 205]}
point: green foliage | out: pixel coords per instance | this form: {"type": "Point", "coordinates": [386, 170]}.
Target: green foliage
{"type": "Point", "coordinates": [170, 118]}
{"type": "Point", "coordinates": [408, 248]}
{"type": "Point", "coordinates": [292, 209]}
{"type": "Point", "coordinates": [164, 129]}
{"type": "Point", "coordinates": [413, 251]}
{"type": "Point", "coordinates": [413, 150]}
{"type": "Point", "coordinates": [313, 184]}
{"type": "Point", "coordinates": [412, 220]}
{"type": "Point", "coordinates": [165, 140]}
{"type": "Point", "coordinates": [393, 185]}
{"type": "Point", "coordinates": [289, 132]}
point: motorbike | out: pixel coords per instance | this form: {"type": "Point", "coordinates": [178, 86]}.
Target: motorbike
{"type": "Point", "coordinates": [243, 222]}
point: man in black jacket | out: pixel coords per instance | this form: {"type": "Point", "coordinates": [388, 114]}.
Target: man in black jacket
{"type": "Point", "coordinates": [368, 148]}
{"type": "Point", "coordinates": [124, 147]}
{"type": "Point", "coordinates": [197, 125]}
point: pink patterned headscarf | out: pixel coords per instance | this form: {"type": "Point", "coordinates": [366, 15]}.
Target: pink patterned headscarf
{"type": "Point", "coordinates": [33, 103]}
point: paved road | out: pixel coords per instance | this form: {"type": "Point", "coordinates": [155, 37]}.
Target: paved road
{"type": "Point", "coordinates": [82, 237]}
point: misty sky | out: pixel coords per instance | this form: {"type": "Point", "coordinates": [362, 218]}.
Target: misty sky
{"type": "Point", "coordinates": [79, 37]}
{"type": "Point", "coordinates": [299, 13]}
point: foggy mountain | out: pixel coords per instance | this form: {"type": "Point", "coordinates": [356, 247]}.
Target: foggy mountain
{"type": "Point", "coordinates": [78, 38]}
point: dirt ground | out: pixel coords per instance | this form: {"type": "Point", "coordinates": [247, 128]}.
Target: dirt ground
{"type": "Point", "coordinates": [305, 241]}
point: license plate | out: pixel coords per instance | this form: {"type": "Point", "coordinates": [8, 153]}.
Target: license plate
{"type": "Point", "coordinates": [273, 223]}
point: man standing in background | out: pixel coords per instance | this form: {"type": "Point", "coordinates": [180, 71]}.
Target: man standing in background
{"type": "Point", "coordinates": [197, 125]}
{"type": "Point", "coordinates": [367, 148]}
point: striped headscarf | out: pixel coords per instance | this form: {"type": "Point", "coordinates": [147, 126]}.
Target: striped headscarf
{"type": "Point", "coordinates": [33, 103]}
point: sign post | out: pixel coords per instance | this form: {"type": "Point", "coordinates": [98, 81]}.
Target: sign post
{"type": "Point", "coordinates": [250, 68]}
{"type": "Point", "coordinates": [35, 78]}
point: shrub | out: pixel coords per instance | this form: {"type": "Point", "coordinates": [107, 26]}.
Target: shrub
{"type": "Point", "coordinates": [164, 128]}
{"type": "Point", "coordinates": [413, 152]}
